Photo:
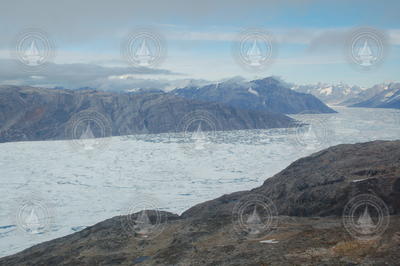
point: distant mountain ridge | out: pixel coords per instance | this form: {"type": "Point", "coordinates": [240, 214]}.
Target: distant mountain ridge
{"type": "Point", "coordinates": [383, 96]}
{"type": "Point", "coordinates": [28, 113]}
{"type": "Point", "coordinates": [268, 94]}
{"type": "Point", "coordinates": [365, 94]}
{"type": "Point", "coordinates": [333, 94]}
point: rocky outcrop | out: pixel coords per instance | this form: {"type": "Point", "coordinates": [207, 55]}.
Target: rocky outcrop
{"type": "Point", "coordinates": [269, 94]}
{"type": "Point", "coordinates": [28, 113]}
{"type": "Point", "coordinates": [300, 241]}
{"type": "Point", "coordinates": [317, 186]}
{"type": "Point", "coordinates": [321, 184]}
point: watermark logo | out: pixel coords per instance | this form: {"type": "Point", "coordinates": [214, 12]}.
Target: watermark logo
{"type": "Point", "coordinates": [366, 48]}
{"type": "Point", "coordinates": [312, 132]}
{"type": "Point", "coordinates": [198, 129]}
{"type": "Point", "coordinates": [366, 217]}
{"type": "Point", "coordinates": [254, 49]}
{"type": "Point", "coordinates": [34, 216]}
{"type": "Point", "coordinates": [144, 48]}
{"type": "Point", "coordinates": [88, 130]}
{"type": "Point", "coordinates": [143, 219]}
{"type": "Point", "coordinates": [34, 49]}
{"type": "Point", "coordinates": [254, 216]}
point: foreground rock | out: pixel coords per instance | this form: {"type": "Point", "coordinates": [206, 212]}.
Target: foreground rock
{"type": "Point", "coordinates": [296, 241]}
{"type": "Point", "coordinates": [319, 185]}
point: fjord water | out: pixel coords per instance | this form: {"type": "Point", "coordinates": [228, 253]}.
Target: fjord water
{"type": "Point", "coordinates": [81, 189]}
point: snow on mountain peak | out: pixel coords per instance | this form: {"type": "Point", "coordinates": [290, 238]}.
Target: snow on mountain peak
{"type": "Point", "coordinates": [250, 90]}
{"type": "Point", "coordinates": [326, 91]}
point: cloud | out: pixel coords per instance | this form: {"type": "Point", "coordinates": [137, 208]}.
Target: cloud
{"type": "Point", "coordinates": [77, 21]}
{"type": "Point", "coordinates": [328, 40]}
{"type": "Point", "coordinates": [186, 35]}
{"type": "Point", "coordinates": [290, 36]}
{"type": "Point", "coordinates": [394, 35]}
{"type": "Point", "coordinates": [77, 75]}
{"type": "Point", "coordinates": [336, 39]}
{"type": "Point", "coordinates": [312, 60]}
{"type": "Point", "coordinates": [315, 38]}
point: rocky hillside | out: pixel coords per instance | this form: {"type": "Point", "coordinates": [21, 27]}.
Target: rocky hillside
{"type": "Point", "coordinates": [269, 94]}
{"type": "Point", "coordinates": [314, 190]}
{"type": "Point", "coordinates": [321, 184]}
{"type": "Point", "coordinates": [28, 113]}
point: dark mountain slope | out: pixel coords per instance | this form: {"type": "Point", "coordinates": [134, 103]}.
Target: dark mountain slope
{"type": "Point", "coordinates": [28, 113]}
{"type": "Point", "coordinates": [267, 94]}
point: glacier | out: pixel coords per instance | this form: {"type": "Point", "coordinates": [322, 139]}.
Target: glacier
{"type": "Point", "coordinates": [81, 189]}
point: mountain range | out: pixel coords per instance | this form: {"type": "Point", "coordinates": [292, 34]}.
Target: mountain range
{"type": "Point", "coordinates": [28, 113]}
{"type": "Point", "coordinates": [31, 113]}
{"type": "Point", "coordinates": [384, 95]}
{"type": "Point", "coordinates": [333, 94]}
{"type": "Point", "coordinates": [268, 94]}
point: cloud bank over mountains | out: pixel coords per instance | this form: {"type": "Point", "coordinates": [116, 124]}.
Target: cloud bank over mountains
{"type": "Point", "coordinates": [84, 75]}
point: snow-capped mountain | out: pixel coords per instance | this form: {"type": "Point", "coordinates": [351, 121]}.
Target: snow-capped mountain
{"type": "Point", "coordinates": [383, 96]}
{"type": "Point", "coordinates": [330, 93]}
{"type": "Point", "coordinates": [268, 94]}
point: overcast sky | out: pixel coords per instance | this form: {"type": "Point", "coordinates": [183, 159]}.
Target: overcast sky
{"type": "Point", "coordinates": [309, 35]}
